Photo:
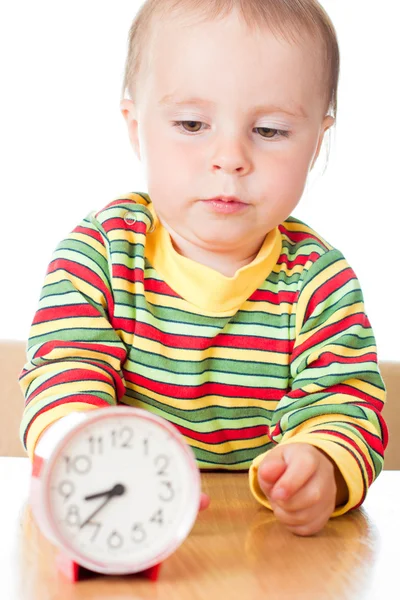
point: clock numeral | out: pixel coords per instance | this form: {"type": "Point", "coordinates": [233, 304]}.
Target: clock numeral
{"type": "Point", "coordinates": [66, 489]}
{"type": "Point", "coordinates": [146, 447]}
{"type": "Point", "coordinates": [95, 444]}
{"type": "Point", "coordinates": [168, 492]}
{"type": "Point", "coordinates": [158, 517]}
{"type": "Point", "coordinates": [115, 540]}
{"type": "Point", "coordinates": [122, 438]}
{"type": "Point", "coordinates": [73, 518]}
{"type": "Point", "coordinates": [162, 463]}
{"type": "Point", "coordinates": [97, 529]}
{"type": "Point", "coordinates": [80, 464]}
{"type": "Point", "coordinates": [138, 533]}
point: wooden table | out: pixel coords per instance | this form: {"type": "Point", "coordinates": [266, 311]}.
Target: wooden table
{"type": "Point", "coordinates": [236, 550]}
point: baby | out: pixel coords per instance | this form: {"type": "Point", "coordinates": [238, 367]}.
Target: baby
{"type": "Point", "coordinates": [203, 300]}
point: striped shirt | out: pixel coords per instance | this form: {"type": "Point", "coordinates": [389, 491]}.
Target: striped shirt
{"type": "Point", "coordinates": [282, 352]}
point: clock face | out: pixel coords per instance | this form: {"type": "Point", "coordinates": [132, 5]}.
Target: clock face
{"type": "Point", "coordinates": [123, 492]}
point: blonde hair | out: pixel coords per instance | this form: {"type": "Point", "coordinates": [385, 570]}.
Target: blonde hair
{"type": "Point", "coordinates": [289, 18]}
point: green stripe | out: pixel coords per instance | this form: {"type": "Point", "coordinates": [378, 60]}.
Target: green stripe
{"type": "Point", "coordinates": [201, 416]}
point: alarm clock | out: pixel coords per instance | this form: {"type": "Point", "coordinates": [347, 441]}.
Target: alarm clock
{"type": "Point", "coordinates": [116, 489]}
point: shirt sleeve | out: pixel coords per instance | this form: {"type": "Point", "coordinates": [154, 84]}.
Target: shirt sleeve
{"type": "Point", "coordinates": [74, 354]}
{"type": "Point", "coordinates": [337, 393]}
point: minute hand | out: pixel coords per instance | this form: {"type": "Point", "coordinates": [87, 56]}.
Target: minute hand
{"type": "Point", "coordinates": [117, 490]}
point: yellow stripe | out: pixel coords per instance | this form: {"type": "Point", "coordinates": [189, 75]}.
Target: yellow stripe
{"type": "Point", "coordinates": [87, 239]}
{"type": "Point", "coordinates": [340, 351]}
{"type": "Point", "coordinates": [359, 384]}
{"type": "Point", "coordinates": [161, 301]}
{"type": "Point", "coordinates": [199, 355]}
{"type": "Point", "coordinates": [70, 388]}
{"type": "Point", "coordinates": [47, 418]}
{"type": "Point", "coordinates": [180, 304]}
{"type": "Point", "coordinates": [283, 308]}
{"type": "Point", "coordinates": [359, 441]}
{"type": "Point", "coordinates": [203, 402]}
{"type": "Point", "coordinates": [127, 234]}
{"type": "Point", "coordinates": [62, 353]}
{"type": "Point", "coordinates": [53, 369]}
{"type": "Point", "coordinates": [323, 420]}
{"type": "Point", "coordinates": [367, 388]}
{"type": "Point", "coordinates": [79, 284]}
{"type": "Point", "coordinates": [123, 285]}
{"type": "Point", "coordinates": [95, 323]}
{"type": "Point", "coordinates": [336, 317]}
{"type": "Point", "coordinates": [297, 269]}
{"type": "Point", "coordinates": [303, 228]}
{"type": "Point", "coordinates": [231, 446]}
{"type": "Point", "coordinates": [314, 284]}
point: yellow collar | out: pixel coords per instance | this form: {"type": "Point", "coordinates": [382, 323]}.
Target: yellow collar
{"type": "Point", "coordinates": [202, 286]}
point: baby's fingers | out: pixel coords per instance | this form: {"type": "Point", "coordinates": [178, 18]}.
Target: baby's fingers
{"type": "Point", "coordinates": [270, 470]}
{"type": "Point", "coordinates": [204, 501]}
{"type": "Point", "coordinates": [301, 465]}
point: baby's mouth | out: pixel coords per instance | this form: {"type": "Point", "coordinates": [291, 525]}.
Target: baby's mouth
{"type": "Point", "coordinates": [224, 205]}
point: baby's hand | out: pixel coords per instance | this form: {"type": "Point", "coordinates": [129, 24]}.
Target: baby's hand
{"type": "Point", "coordinates": [301, 485]}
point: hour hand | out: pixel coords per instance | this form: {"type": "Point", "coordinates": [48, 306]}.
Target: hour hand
{"type": "Point", "coordinates": [117, 490]}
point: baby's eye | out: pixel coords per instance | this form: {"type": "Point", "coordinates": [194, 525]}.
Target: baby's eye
{"type": "Point", "coordinates": [268, 133]}
{"type": "Point", "coordinates": [191, 125]}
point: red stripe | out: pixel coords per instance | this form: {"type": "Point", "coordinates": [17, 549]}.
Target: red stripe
{"type": "Point", "coordinates": [300, 236]}
{"type": "Point", "coordinates": [325, 333]}
{"type": "Point", "coordinates": [372, 440]}
{"type": "Point", "coordinates": [383, 425]}
{"type": "Point", "coordinates": [71, 375]}
{"type": "Point", "coordinates": [327, 358]}
{"type": "Point", "coordinates": [225, 435]}
{"type": "Point", "coordinates": [275, 298]}
{"type": "Point", "coordinates": [116, 223]}
{"type": "Point", "coordinates": [115, 203]}
{"type": "Point", "coordinates": [84, 398]}
{"type": "Point", "coordinates": [128, 274]}
{"type": "Point", "coordinates": [276, 431]}
{"type": "Point", "coordinates": [328, 288]}
{"type": "Point", "coordinates": [48, 347]}
{"type": "Point", "coordinates": [342, 388]}
{"type": "Point", "coordinates": [64, 312]}
{"type": "Point", "coordinates": [86, 275]}
{"type": "Point", "coordinates": [195, 392]}
{"type": "Point", "coordinates": [354, 445]}
{"type": "Point", "coordinates": [90, 233]}
{"type": "Point", "coordinates": [187, 342]}
{"type": "Point", "coordinates": [299, 261]}
{"type": "Point", "coordinates": [159, 287]}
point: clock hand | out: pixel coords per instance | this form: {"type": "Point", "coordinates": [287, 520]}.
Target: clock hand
{"type": "Point", "coordinates": [117, 490]}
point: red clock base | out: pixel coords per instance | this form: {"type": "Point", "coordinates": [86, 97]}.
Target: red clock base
{"type": "Point", "coordinates": [74, 572]}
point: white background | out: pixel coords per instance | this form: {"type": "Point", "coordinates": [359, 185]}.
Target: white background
{"type": "Point", "coordinates": [65, 150]}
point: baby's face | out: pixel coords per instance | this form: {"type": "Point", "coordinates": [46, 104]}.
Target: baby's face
{"type": "Point", "coordinates": [237, 90]}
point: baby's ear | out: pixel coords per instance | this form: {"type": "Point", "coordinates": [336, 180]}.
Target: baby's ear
{"type": "Point", "coordinates": [128, 110]}
{"type": "Point", "coordinates": [326, 124]}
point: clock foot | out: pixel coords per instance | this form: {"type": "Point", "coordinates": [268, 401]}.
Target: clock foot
{"type": "Point", "coordinates": [74, 572]}
{"type": "Point", "coordinates": [68, 567]}
{"type": "Point", "coordinates": [153, 572]}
